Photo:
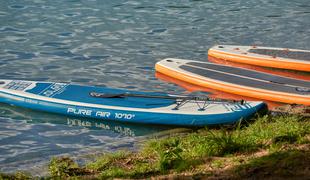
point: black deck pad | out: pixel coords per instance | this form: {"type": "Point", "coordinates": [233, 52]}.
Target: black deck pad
{"type": "Point", "coordinates": [253, 74]}
{"type": "Point", "coordinates": [243, 81]}
{"type": "Point", "coordinates": [305, 56]}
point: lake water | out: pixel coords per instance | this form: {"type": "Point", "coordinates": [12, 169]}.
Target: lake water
{"type": "Point", "coordinates": [116, 44]}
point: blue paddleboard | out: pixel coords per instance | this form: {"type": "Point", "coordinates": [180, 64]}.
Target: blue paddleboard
{"type": "Point", "coordinates": [122, 105]}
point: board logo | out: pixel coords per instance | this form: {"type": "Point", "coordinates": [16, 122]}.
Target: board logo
{"type": "Point", "coordinates": [54, 89]}
{"type": "Point", "coordinates": [17, 85]}
{"type": "Point", "coordinates": [101, 114]}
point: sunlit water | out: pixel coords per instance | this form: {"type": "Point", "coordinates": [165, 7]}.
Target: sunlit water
{"type": "Point", "coordinates": [116, 44]}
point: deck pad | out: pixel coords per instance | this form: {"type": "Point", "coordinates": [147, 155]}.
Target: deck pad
{"type": "Point", "coordinates": [302, 55]}
{"type": "Point", "coordinates": [245, 73]}
{"type": "Point", "coordinates": [242, 81]}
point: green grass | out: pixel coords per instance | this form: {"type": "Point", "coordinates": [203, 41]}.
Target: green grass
{"type": "Point", "coordinates": [189, 153]}
{"type": "Point", "coordinates": [218, 163]}
{"type": "Point", "coordinates": [65, 167]}
{"type": "Point", "coordinates": [105, 161]}
{"type": "Point", "coordinates": [177, 154]}
{"type": "Point", "coordinates": [16, 176]}
{"type": "Point", "coordinates": [263, 133]}
{"type": "Point", "coordinates": [62, 167]}
{"type": "Point", "coordinates": [280, 129]}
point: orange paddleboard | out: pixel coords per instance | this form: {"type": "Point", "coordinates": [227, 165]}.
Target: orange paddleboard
{"type": "Point", "coordinates": [283, 58]}
{"type": "Point", "coordinates": [214, 93]}
{"type": "Point", "coordinates": [237, 81]}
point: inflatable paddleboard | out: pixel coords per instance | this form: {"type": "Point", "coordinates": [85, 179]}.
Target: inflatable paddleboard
{"type": "Point", "coordinates": [121, 105]}
{"type": "Point", "coordinates": [283, 58]}
{"type": "Point", "coordinates": [237, 80]}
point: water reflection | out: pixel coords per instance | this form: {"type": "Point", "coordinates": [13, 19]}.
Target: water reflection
{"type": "Point", "coordinates": [35, 117]}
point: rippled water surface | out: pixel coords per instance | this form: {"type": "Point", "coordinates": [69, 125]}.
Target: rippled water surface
{"type": "Point", "coordinates": [116, 44]}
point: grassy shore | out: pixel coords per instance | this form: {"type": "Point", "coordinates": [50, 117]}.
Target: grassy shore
{"type": "Point", "coordinates": [268, 147]}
